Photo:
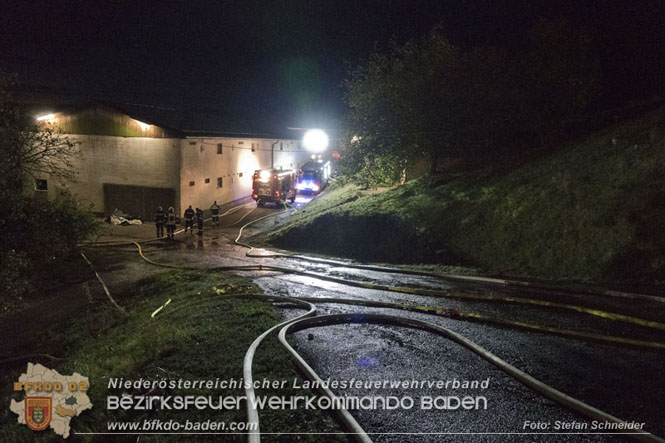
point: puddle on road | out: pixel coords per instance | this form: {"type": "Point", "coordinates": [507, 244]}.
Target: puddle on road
{"type": "Point", "coordinates": [188, 242]}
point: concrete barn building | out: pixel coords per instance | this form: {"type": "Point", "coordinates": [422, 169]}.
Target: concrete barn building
{"type": "Point", "coordinates": [131, 161]}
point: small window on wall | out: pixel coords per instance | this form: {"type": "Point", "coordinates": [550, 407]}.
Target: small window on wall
{"type": "Point", "coordinates": [192, 183]}
{"type": "Point", "coordinates": [219, 148]}
{"type": "Point", "coordinates": [41, 185]}
{"type": "Point", "coordinates": [253, 147]}
{"type": "Point", "coordinates": [220, 182]}
{"type": "Point", "coordinates": [207, 180]}
{"type": "Point", "coordinates": [281, 146]}
{"type": "Point", "coordinates": [239, 174]}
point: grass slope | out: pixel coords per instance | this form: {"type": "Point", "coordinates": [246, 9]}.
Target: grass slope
{"type": "Point", "coordinates": [198, 336]}
{"type": "Point", "coordinates": [594, 209]}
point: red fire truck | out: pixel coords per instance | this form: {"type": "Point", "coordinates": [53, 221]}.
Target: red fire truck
{"type": "Point", "coordinates": [273, 185]}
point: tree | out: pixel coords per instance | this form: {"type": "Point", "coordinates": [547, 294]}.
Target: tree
{"type": "Point", "coordinates": [35, 237]}
{"type": "Point", "coordinates": [426, 98]}
{"type": "Point", "coordinates": [29, 149]}
{"type": "Point", "coordinates": [402, 104]}
{"type": "Point", "coordinates": [376, 128]}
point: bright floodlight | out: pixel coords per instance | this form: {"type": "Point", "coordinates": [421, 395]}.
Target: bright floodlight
{"type": "Point", "coordinates": [315, 140]}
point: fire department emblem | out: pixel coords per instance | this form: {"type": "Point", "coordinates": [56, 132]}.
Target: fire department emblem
{"type": "Point", "coordinates": [51, 399]}
{"type": "Point", "coordinates": [38, 412]}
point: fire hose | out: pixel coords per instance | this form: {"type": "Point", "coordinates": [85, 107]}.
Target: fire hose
{"type": "Point", "coordinates": [303, 321]}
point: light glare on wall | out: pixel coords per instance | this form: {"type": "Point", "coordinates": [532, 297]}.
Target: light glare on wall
{"type": "Point", "coordinates": [247, 161]}
{"type": "Point", "coordinates": [144, 126]}
{"type": "Point", "coordinates": [41, 118]}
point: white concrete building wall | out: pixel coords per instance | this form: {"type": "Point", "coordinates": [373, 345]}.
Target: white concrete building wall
{"type": "Point", "coordinates": [288, 154]}
{"type": "Point", "coordinates": [174, 163]}
{"type": "Point", "coordinates": [235, 166]}
{"type": "Point", "coordinates": [138, 161]}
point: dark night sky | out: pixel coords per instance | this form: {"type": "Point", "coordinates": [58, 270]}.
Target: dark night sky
{"type": "Point", "coordinates": [275, 63]}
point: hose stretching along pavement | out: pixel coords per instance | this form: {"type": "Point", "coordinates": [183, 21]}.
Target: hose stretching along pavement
{"type": "Point", "coordinates": [514, 300]}
{"type": "Point", "coordinates": [536, 286]}
{"type": "Point", "coordinates": [130, 242]}
{"type": "Point", "coordinates": [536, 385]}
{"type": "Point", "coordinates": [427, 292]}
{"type": "Point", "coordinates": [468, 316]}
{"type": "Point", "coordinates": [540, 286]}
{"type": "Point", "coordinates": [106, 289]}
{"type": "Point", "coordinates": [351, 425]}
{"type": "Point", "coordinates": [306, 320]}
{"type": "Point", "coordinates": [251, 248]}
{"type": "Point", "coordinates": [348, 422]}
{"type": "Point", "coordinates": [252, 413]}
{"type": "Point", "coordinates": [108, 243]}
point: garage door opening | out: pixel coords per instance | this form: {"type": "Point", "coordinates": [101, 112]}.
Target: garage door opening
{"type": "Point", "coordinates": [138, 201]}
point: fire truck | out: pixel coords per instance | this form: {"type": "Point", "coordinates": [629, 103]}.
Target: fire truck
{"type": "Point", "coordinates": [273, 186]}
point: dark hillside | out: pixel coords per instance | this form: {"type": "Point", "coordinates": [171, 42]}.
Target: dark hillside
{"type": "Point", "coordinates": [594, 209]}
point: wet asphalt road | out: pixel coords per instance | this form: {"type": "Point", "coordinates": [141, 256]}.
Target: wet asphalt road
{"type": "Point", "coordinates": [624, 382]}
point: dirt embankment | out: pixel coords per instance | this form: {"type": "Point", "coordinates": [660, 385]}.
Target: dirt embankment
{"type": "Point", "coordinates": [591, 210]}
{"type": "Point", "coordinates": [371, 237]}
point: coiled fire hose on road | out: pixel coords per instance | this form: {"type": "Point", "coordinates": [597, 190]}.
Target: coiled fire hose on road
{"type": "Point", "coordinates": [349, 422]}
{"type": "Point", "coordinates": [536, 385]}
{"type": "Point", "coordinates": [547, 287]}
{"type": "Point", "coordinates": [429, 292]}
{"type": "Point", "coordinates": [309, 320]}
{"type": "Point", "coordinates": [463, 296]}
{"type": "Point", "coordinates": [529, 381]}
{"type": "Point", "coordinates": [131, 242]}
{"type": "Point", "coordinates": [460, 314]}
{"type": "Point", "coordinates": [121, 242]}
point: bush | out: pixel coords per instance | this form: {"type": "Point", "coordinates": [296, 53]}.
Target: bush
{"type": "Point", "coordinates": [35, 240]}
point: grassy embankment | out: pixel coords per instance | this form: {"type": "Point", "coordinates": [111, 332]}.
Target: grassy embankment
{"type": "Point", "coordinates": [591, 210]}
{"type": "Point", "coordinates": [200, 335]}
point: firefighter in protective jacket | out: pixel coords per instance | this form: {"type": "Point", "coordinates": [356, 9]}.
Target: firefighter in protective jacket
{"type": "Point", "coordinates": [189, 219]}
{"type": "Point", "coordinates": [214, 210]}
{"type": "Point", "coordinates": [160, 219]}
{"type": "Point", "coordinates": [199, 221]}
{"type": "Point", "coordinates": [170, 223]}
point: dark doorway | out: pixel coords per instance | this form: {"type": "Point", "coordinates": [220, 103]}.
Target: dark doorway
{"type": "Point", "coordinates": [136, 200]}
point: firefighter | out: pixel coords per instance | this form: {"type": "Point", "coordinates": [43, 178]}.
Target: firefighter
{"type": "Point", "coordinates": [199, 221]}
{"type": "Point", "coordinates": [160, 219]}
{"type": "Point", "coordinates": [170, 224]}
{"type": "Point", "coordinates": [214, 209]}
{"type": "Point", "coordinates": [189, 219]}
